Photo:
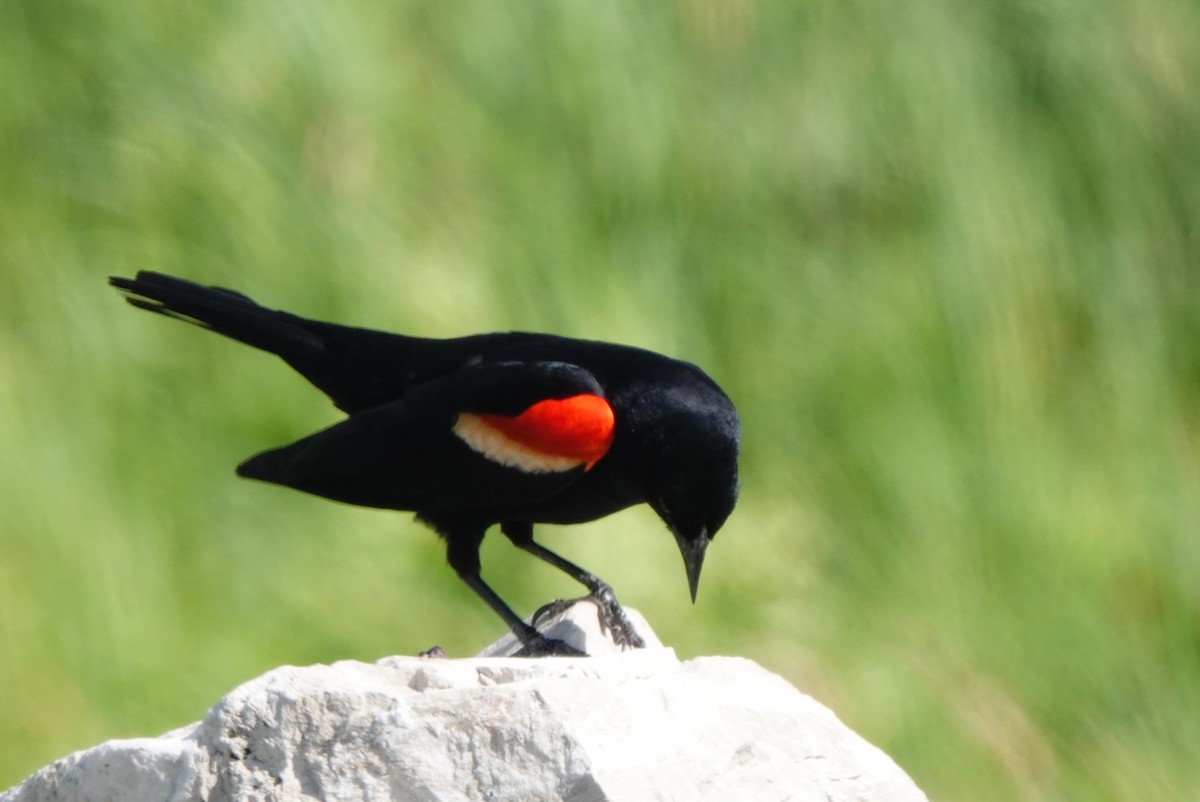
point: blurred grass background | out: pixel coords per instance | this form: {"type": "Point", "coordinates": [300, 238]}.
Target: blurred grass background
{"type": "Point", "coordinates": [943, 255]}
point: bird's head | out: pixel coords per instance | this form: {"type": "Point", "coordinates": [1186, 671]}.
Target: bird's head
{"type": "Point", "coordinates": [693, 484]}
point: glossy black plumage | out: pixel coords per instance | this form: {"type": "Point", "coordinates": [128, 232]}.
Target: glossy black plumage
{"type": "Point", "coordinates": [674, 445]}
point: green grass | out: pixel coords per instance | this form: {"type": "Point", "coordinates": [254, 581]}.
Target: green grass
{"type": "Point", "coordinates": [944, 256]}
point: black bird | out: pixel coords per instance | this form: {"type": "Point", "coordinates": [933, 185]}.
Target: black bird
{"type": "Point", "coordinates": [512, 429]}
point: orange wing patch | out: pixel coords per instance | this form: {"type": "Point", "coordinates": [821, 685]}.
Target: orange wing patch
{"type": "Point", "coordinates": [551, 436]}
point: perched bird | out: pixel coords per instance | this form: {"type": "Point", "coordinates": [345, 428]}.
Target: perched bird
{"type": "Point", "coordinates": [513, 429]}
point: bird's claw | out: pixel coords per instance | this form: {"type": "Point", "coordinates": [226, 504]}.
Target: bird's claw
{"type": "Point", "coordinates": [552, 609]}
{"type": "Point", "coordinates": [614, 621]}
{"type": "Point", "coordinates": [609, 612]}
{"type": "Point", "coordinates": [541, 646]}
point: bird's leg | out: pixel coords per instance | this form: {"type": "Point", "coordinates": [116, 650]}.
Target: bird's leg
{"type": "Point", "coordinates": [533, 643]}
{"type": "Point", "coordinates": [612, 616]}
{"type": "Point", "coordinates": [462, 552]}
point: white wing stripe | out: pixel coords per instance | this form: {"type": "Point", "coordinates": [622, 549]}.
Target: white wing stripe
{"type": "Point", "coordinates": [499, 447]}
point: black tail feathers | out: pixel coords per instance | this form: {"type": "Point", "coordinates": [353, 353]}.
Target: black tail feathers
{"type": "Point", "coordinates": [218, 309]}
{"type": "Point", "coordinates": [356, 368]}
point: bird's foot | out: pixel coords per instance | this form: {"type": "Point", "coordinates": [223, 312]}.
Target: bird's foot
{"type": "Point", "coordinates": [613, 619]}
{"type": "Point", "coordinates": [552, 609]}
{"type": "Point", "coordinates": [538, 645]}
{"type": "Point", "coordinates": [608, 610]}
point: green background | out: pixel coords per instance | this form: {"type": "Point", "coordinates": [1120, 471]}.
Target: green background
{"type": "Point", "coordinates": [943, 256]}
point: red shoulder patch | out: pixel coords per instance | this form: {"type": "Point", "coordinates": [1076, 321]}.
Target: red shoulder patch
{"type": "Point", "coordinates": [553, 435]}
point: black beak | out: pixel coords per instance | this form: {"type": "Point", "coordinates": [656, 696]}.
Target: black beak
{"type": "Point", "coordinates": [693, 557]}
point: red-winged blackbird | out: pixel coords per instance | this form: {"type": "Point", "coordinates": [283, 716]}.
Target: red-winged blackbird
{"type": "Point", "coordinates": [511, 429]}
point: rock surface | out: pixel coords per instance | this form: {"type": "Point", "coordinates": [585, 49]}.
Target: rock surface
{"type": "Point", "coordinates": [634, 726]}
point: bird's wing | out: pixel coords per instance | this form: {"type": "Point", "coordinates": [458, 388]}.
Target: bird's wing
{"type": "Point", "coordinates": [486, 437]}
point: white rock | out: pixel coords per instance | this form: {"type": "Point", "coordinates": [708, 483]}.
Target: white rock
{"type": "Point", "coordinates": [638, 725]}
